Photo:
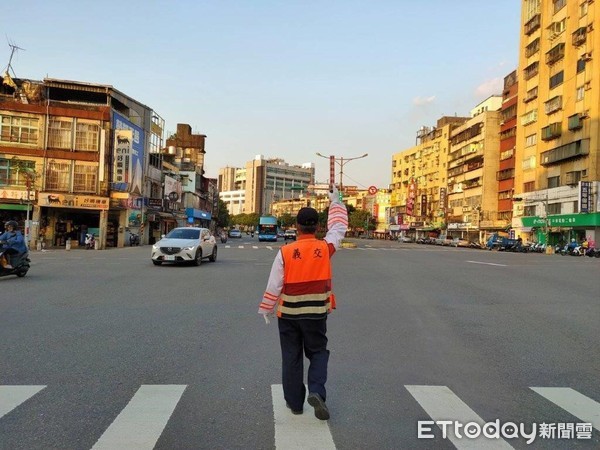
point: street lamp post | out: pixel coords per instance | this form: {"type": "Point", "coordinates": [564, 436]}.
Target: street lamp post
{"type": "Point", "coordinates": [341, 161]}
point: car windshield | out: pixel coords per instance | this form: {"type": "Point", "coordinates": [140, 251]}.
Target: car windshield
{"type": "Point", "coordinates": [183, 233]}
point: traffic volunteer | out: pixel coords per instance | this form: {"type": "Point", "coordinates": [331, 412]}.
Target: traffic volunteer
{"type": "Point", "coordinates": [299, 291]}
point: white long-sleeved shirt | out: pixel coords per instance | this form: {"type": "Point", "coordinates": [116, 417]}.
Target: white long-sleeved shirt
{"type": "Point", "coordinates": [337, 225]}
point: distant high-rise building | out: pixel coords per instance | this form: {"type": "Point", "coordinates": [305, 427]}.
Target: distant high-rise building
{"type": "Point", "coordinates": [261, 182]}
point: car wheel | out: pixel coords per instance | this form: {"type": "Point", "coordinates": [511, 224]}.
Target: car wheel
{"type": "Point", "coordinates": [198, 259]}
{"type": "Point", "coordinates": [156, 263]}
{"type": "Point", "coordinates": [213, 256]}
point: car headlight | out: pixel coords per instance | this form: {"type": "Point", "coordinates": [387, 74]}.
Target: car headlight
{"type": "Point", "coordinates": [155, 247]}
{"type": "Point", "coordinates": [191, 247]}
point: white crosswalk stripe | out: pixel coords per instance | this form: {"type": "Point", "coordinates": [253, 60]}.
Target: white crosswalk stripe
{"type": "Point", "coordinates": [443, 404]}
{"type": "Point", "coordinates": [13, 396]}
{"type": "Point", "coordinates": [298, 432]}
{"type": "Point", "coordinates": [140, 424]}
{"type": "Point", "coordinates": [142, 421]}
{"type": "Point", "coordinates": [573, 402]}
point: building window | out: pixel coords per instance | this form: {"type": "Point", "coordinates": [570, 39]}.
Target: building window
{"type": "Point", "coordinates": [531, 70]}
{"type": "Point", "coordinates": [15, 129]}
{"type": "Point", "coordinates": [583, 8]}
{"type": "Point", "coordinates": [13, 172]}
{"type": "Point", "coordinates": [57, 176]}
{"type": "Point", "coordinates": [87, 136]}
{"type": "Point", "coordinates": [580, 65]}
{"type": "Point", "coordinates": [528, 163]}
{"type": "Point", "coordinates": [529, 211]}
{"type": "Point", "coordinates": [553, 105]}
{"type": "Point", "coordinates": [557, 28]}
{"type": "Point", "coordinates": [531, 95]}
{"type": "Point", "coordinates": [558, 5]}
{"type": "Point", "coordinates": [553, 208]}
{"type": "Point", "coordinates": [580, 94]}
{"type": "Point", "coordinates": [553, 182]}
{"type": "Point", "coordinates": [529, 117]}
{"type": "Point", "coordinates": [532, 48]}
{"type": "Point", "coordinates": [531, 140]}
{"type": "Point", "coordinates": [557, 79]}
{"type": "Point", "coordinates": [529, 186]}
{"type": "Point", "coordinates": [84, 178]}
{"type": "Point", "coordinates": [60, 133]}
{"type": "Point", "coordinates": [555, 54]}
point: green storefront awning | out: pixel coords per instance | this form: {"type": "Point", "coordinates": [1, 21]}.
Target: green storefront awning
{"type": "Point", "coordinates": [13, 207]}
{"type": "Point", "coordinates": [564, 220]}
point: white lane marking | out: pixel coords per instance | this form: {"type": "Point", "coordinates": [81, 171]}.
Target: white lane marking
{"type": "Point", "coordinates": [240, 246]}
{"type": "Point", "coordinates": [269, 247]}
{"type": "Point", "coordinates": [142, 421]}
{"type": "Point", "coordinates": [254, 246]}
{"type": "Point", "coordinates": [486, 263]}
{"type": "Point", "coordinates": [228, 246]}
{"type": "Point", "coordinates": [443, 404]}
{"type": "Point", "coordinates": [13, 396]}
{"type": "Point", "coordinates": [299, 432]}
{"type": "Point", "coordinates": [573, 402]}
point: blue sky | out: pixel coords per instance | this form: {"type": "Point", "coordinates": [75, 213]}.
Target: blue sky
{"type": "Point", "coordinates": [280, 78]}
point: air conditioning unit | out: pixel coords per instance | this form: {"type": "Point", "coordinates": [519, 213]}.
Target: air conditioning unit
{"type": "Point", "coordinates": [466, 209]}
{"type": "Point", "coordinates": [585, 114]}
{"type": "Point", "coordinates": [586, 56]}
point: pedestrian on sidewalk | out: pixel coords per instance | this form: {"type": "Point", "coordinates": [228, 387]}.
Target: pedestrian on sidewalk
{"type": "Point", "coordinates": [299, 291]}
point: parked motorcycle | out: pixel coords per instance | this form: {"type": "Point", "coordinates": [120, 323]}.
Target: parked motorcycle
{"type": "Point", "coordinates": [20, 264]}
{"type": "Point", "coordinates": [134, 239]}
{"type": "Point", "coordinates": [593, 252]}
{"type": "Point", "coordinates": [90, 241]}
{"type": "Point", "coordinates": [223, 238]}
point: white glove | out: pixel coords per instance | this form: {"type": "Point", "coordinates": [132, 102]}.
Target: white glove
{"type": "Point", "coordinates": [334, 195]}
{"type": "Point", "coordinates": [268, 317]}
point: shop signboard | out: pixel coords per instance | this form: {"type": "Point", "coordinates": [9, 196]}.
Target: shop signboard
{"type": "Point", "coordinates": [136, 151]}
{"type": "Point", "coordinates": [14, 194]}
{"type": "Point", "coordinates": [73, 201]}
{"type": "Point", "coordinates": [412, 194]}
{"type": "Point", "coordinates": [585, 196]}
{"type": "Point", "coordinates": [563, 220]}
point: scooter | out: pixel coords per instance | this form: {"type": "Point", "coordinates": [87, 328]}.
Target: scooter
{"type": "Point", "coordinates": [134, 239]}
{"type": "Point", "coordinates": [20, 263]}
{"type": "Point", "coordinates": [223, 238]}
{"type": "Point", "coordinates": [90, 241]}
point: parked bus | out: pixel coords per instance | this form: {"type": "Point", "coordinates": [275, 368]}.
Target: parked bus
{"type": "Point", "coordinates": [267, 228]}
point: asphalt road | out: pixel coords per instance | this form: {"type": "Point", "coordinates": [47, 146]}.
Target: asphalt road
{"type": "Point", "coordinates": [421, 332]}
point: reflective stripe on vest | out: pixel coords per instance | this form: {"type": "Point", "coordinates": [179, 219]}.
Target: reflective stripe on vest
{"type": "Point", "coordinates": [306, 280]}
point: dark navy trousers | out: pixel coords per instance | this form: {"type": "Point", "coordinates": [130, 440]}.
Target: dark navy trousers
{"type": "Point", "coordinates": [298, 338]}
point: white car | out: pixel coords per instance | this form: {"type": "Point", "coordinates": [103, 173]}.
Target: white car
{"type": "Point", "coordinates": [185, 244]}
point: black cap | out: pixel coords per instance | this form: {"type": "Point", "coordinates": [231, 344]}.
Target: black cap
{"type": "Point", "coordinates": [307, 216]}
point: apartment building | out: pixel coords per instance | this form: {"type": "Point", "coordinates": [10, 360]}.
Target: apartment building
{"type": "Point", "coordinates": [558, 134]}
{"type": "Point", "coordinates": [473, 163]}
{"type": "Point", "coordinates": [419, 181]}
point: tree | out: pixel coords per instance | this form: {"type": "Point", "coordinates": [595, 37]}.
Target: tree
{"type": "Point", "coordinates": [359, 218]}
{"type": "Point", "coordinates": [223, 217]}
{"type": "Point", "coordinates": [286, 220]}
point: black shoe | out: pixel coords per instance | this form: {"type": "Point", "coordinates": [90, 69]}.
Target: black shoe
{"type": "Point", "coordinates": [294, 411]}
{"type": "Point", "coordinates": [321, 411]}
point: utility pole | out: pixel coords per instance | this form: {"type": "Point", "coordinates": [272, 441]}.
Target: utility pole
{"type": "Point", "coordinates": [342, 162]}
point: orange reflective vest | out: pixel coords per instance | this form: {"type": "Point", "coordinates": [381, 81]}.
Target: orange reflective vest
{"type": "Point", "coordinates": [306, 292]}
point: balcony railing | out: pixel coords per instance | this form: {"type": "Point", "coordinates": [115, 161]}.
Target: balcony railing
{"type": "Point", "coordinates": [579, 36]}
{"type": "Point", "coordinates": [552, 131]}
